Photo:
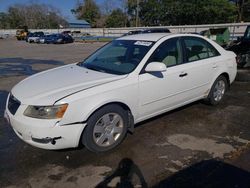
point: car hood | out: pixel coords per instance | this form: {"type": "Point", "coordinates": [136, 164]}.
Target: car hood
{"type": "Point", "coordinates": [47, 87]}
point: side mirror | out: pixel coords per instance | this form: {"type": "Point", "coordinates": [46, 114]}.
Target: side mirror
{"type": "Point", "coordinates": [156, 67]}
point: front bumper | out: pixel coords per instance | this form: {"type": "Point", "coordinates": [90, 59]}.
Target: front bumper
{"type": "Point", "coordinates": [46, 134]}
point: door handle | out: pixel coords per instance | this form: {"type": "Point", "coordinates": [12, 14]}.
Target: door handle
{"type": "Point", "coordinates": [183, 74]}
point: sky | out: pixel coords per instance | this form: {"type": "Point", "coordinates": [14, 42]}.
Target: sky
{"type": "Point", "coordinates": [63, 5]}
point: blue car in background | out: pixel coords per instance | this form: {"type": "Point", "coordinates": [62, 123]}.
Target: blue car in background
{"type": "Point", "coordinates": [56, 39]}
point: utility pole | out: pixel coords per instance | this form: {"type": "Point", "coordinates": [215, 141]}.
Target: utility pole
{"type": "Point", "coordinates": [242, 10]}
{"type": "Point", "coordinates": [137, 14]}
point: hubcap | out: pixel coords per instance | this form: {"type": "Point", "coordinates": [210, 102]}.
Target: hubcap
{"type": "Point", "coordinates": [219, 90]}
{"type": "Point", "coordinates": [108, 129]}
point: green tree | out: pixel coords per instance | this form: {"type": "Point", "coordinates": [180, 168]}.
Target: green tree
{"type": "Point", "coordinates": [15, 17]}
{"type": "Point", "coordinates": [186, 12]}
{"type": "Point", "coordinates": [116, 19]}
{"type": "Point", "coordinates": [4, 20]}
{"type": "Point", "coordinates": [88, 10]}
{"type": "Point", "coordinates": [132, 8]}
{"type": "Point", "coordinates": [151, 12]}
{"type": "Point", "coordinates": [243, 8]}
{"type": "Point", "coordinates": [35, 16]}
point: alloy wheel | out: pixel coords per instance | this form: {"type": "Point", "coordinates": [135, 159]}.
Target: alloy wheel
{"type": "Point", "coordinates": [108, 129]}
{"type": "Point", "coordinates": [219, 90]}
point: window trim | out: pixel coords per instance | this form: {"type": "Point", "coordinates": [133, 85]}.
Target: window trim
{"type": "Point", "coordinates": [182, 51]}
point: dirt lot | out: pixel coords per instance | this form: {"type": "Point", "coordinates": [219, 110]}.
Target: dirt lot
{"type": "Point", "coordinates": [194, 146]}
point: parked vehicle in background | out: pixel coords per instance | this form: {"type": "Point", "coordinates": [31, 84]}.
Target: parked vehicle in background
{"type": "Point", "coordinates": [76, 33]}
{"type": "Point", "coordinates": [131, 79]}
{"type": "Point", "coordinates": [22, 33]}
{"type": "Point", "coordinates": [43, 38]}
{"type": "Point", "coordinates": [242, 48]}
{"type": "Point", "coordinates": [29, 35]}
{"type": "Point", "coordinates": [4, 36]}
{"type": "Point", "coordinates": [56, 39]}
{"type": "Point", "coordinates": [35, 37]}
{"type": "Point", "coordinates": [67, 33]}
{"type": "Point", "coordinates": [219, 35]}
{"type": "Point", "coordinates": [152, 30]}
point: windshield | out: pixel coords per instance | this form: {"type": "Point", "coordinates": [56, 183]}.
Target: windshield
{"type": "Point", "coordinates": [118, 57]}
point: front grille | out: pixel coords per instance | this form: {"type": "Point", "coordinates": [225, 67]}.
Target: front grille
{"type": "Point", "coordinates": [13, 104]}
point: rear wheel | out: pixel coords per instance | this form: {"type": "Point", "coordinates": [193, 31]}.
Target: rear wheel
{"type": "Point", "coordinates": [106, 128]}
{"type": "Point", "coordinates": [217, 91]}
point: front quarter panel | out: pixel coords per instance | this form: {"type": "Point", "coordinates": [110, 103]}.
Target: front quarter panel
{"type": "Point", "coordinates": [84, 103]}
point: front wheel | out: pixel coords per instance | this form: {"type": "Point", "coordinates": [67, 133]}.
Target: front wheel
{"type": "Point", "coordinates": [106, 128]}
{"type": "Point", "coordinates": [217, 91]}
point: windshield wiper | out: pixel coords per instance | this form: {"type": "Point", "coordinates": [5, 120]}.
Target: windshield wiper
{"type": "Point", "coordinates": [99, 69]}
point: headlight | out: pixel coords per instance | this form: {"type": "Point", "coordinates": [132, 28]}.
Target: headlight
{"type": "Point", "coordinates": [46, 112]}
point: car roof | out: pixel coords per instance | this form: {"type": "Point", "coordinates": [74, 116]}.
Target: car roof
{"type": "Point", "coordinates": [145, 36]}
{"type": "Point", "coordinates": [156, 36]}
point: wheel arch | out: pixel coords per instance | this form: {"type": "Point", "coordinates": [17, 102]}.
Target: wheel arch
{"type": "Point", "coordinates": [225, 74]}
{"type": "Point", "coordinates": [123, 105]}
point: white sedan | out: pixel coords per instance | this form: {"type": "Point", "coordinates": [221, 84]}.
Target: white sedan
{"type": "Point", "coordinates": [133, 78]}
{"type": "Point", "coordinates": [35, 37]}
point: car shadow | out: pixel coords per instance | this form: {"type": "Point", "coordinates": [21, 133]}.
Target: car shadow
{"type": "Point", "coordinates": [3, 98]}
{"type": "Point", "coordinates": [20, 66]}
{"type": "Point", "coordinates": [207, 174]}
{"type": "Point", "coordinates": [125, 171]}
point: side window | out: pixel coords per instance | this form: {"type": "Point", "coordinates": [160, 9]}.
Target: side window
{"type": "Point", "coordinates": [169, 53]}
{"type": "Point", "coordinates": [212, 52]}
{"type": "Point", "coordinates": [198, 49]}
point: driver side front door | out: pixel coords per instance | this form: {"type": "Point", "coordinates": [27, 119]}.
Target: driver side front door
{"type": "Point", "coordinates": [162, 91]}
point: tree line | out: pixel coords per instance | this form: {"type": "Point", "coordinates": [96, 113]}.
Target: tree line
{"type": "Point", "coordinates": [36, 16]}
{"type": "Point", "coordinates": [130, 13]}
{"type": "Point", "coordinates": [163, 12]}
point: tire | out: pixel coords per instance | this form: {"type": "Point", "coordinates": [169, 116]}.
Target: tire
{"type": "Point", "coordinates": [217, 91]}
{"type": "Point", "coordinates": [102, 133]}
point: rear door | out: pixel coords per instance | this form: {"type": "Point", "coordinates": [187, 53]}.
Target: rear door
{"type": "Point", "coordinates": [202, 62]}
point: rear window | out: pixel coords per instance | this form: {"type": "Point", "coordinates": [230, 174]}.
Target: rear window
{"type": "Point", "coordinates": [198, 49]}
